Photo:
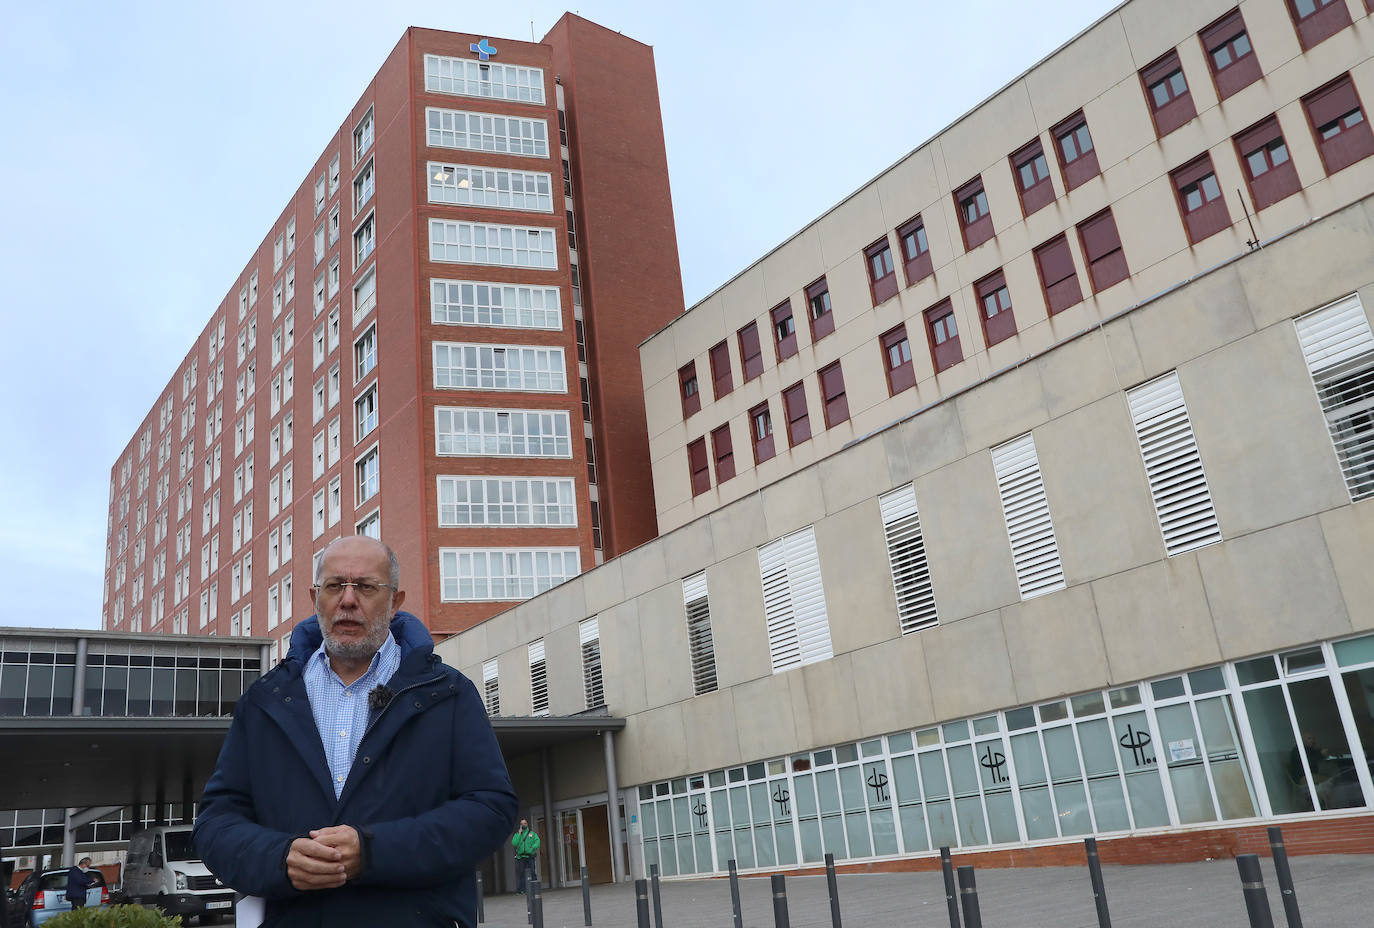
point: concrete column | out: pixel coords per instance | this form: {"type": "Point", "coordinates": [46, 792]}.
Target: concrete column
{"type": "Point", "coordinates": [79, 680]}
{"type": "Point", "coordinates": [266, 658]}
{"type": "Point", "coordinates": [553, 879]}
{"type": "Point", "coordinates": [613, 807]}
{"type": "Point", "coordinates": [160, 812]}
{"type": "Point", "coordinates": [68, 841]}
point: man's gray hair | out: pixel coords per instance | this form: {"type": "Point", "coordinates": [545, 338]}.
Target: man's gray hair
{"type": "Point", "coordinates": [393, 566]}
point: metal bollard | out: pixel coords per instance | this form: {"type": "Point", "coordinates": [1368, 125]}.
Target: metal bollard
{"type": "Point", "coordinates": [481, 912]}
{"type": "Point", "coordinates": [537, 906]}
{"type": "Point", "coordinates": [642, 903]}
{"type": "Point", "coordinates": [1252, 886]}
{"type": "Point", "coordinates": [658, 899]}
{"type": "Point", "coordinates": [1286, 891]}
{"type": "Point", "coordinates": [586, 899]}
{"type": "Point", "coordinates": [834, 888]}
{"type": "Point", "coordinates": [780, 919]}
{"type": "Point", "coordinates": [529, 902]}
{"type": "Point", "coordinates": [734, 896]}
{"type": "Point", "coordinates": [968, 895]}
{"type": "Point", "coordinates": [1104, 918]}
{"type": "Point", "coordinates": [951, 896]}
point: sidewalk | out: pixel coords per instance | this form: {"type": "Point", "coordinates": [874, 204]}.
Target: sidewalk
{"type": "Point", "coordinates": [1333, 892]}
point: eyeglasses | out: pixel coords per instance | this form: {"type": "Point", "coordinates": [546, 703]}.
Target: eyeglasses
{"type": "Point", "coordinates": [364, 588]}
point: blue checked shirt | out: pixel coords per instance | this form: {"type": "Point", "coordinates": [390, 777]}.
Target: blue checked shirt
{"type": "Point", "coordinates": [341, 711]}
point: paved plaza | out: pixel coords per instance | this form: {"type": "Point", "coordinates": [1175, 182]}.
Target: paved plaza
{"type": "Point", "coordinates": [1333, 892]}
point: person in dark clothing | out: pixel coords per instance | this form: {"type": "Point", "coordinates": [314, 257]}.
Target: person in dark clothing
{"type": "Point", "coordinates": [78, 881]}
{"type": "Point", "coordinates": [360, 782]}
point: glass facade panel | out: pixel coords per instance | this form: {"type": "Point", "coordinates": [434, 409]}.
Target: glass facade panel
{"type": "Point", "coordinates": [1159, 753]}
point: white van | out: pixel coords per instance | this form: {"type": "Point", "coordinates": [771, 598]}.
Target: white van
{"type": "Point", "coordinates": [163, 869]}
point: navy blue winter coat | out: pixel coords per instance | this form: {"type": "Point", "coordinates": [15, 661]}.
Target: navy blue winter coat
{"type": "Point", "coordinates": [428, 793]}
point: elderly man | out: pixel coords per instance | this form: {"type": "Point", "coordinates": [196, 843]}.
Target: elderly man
{"type": "Point", "coordinates": [360, 783]}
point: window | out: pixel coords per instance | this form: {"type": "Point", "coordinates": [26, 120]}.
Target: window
{"type": "Point", "coordinates": [502, 432]}
{"type": "Point", "coordinates": [1229, 55]}
{"type": "Point", "coordinates": [945, 350]}
{"type": "Point", "coordinates": [1034, 548]}
{"type": "Point", "coordinates": [1054, 261]}
{"type": "Point", "coordinates": [1032, 172]}
{"type": "Point", "coordinates": [499, 367]}
{"type": "Point", "coordinates": [333, 174]}
{"type": "Point", "coordinates": [1343, 134]}
{"type": "Point", "coordinates": [333, 277]}
{"type": "Point", "coordinates": [486, 243]}
{"type": "Point", "coordinates": [819, 311]}
{"type": "Point", "coordinates": [798, 421]}
{"type": "Point", "coordinates": [364, 186]}
{"type": "Point", "coordinates": [833, 396]}
{"type": "Point", "coordinates": [882, 278]}
{"type": "Point", "coordinates": [591, 461]}
{"type": "Point", "coordinates": [362, 136]}
{"type": "Point", "coordinates": [503, 574]}
{"type": "Point", "coordinates": [794, 601]}
{"type": "Point", "coordinates": [1316, 20]}
{"type": "Point", "coordinates": [586, 399]}
{"type": "Point", "coordinates": [319, 243]}
{"type": "Point", "coordinates": [364, 240]}
{"type": "Point", "coordinates": [906, 556]}
{"type": "Point", "coordinates": [317, 513]}
{"type": "Point", "coordinates": [1077, 156]}
{"type": "Point", "coordinates": [698, 467]}
{"type": "Point", "coordinates": [975, 219]}
{"type": "Point", "coordinates": [365, 413]}
{"type": "Point", "coordinates": [784, 330]}
{"type": "Point", "coordinates": [509, 135]}
{"type": "Point", "coordinates": [1200, 199]}
{"type": "Point", "coordinates": [368, 476]}
{"type": "Point", "coordinates": [901, 374]}
{"type": "Point", "coordinates": [1102, 250]}
{"type": "Point", "coordinates": [539, 679]}
{"type": "Point", "coordinates": [589, 637]}
{"type": "Point", "coordinates": [515, 306]}
{"type": "Point", "coordinates": [335, 499]}
{"type": "Point", "coordinates": [334, 449]}
{"type": "Point", "coordinates": [687, 386]}
{"type": "Point", "coordinates": [1269, 172]}
{"type": "Point", "coordinates": [761, 432]}
{"type": "Point", "coordinates": [915, 250]}
{"type": "Point", "coordinates": [750, 351]}
{"type": "Point", "coordinates": [483, 79]}
{"type": "Point", "coordinates": [491, 688]}
{"type": "Point", "coordinates": [277, 247]}
{"type": "Point", "coordinates": [700, 647]}
{"type": "Point", "coordinates": [371, 525]}
{"type": "Point", "coordinates": [533, 501]}
{"type": "Point", "coordinates": [334, 225]}
{"type": "Point", "coordinates": [334, 385]}
{"type": "Point", "coordinates": [365, 354]}
{"type": "Point", "coordinates": [572, 230]}
{"type": "Point", "coordinates": [468, 185]}
{"type": "Point", "coordinates": [722, 448]}
{"type": "Point", "coordinates": [994, 302]}
{"type": "Point", "coordinates": [1339, 350]}
{"type": "Point", "coordinates": [721, 382]}
{"type": "Point", "coordinates": [290, 237]}
{"type": "Point", "coordinates": [1173, 466]}
{"type": "Point", "coordinates": [1166, 93]}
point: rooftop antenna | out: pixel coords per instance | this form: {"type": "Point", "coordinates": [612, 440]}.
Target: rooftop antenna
{"type": "Point", "coordinates": [531, 30]}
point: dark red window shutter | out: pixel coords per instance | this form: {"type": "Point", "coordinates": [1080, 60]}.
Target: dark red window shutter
{"type": "Point", "coordinates": [1102, 250]}
{"type": "Point", "coordinates": [700, 469]}
{"type": "Point", "coordinates": [784, 330]}
{"type": "Point", "coordinates": [833, 395]}
{"type": "Point", "coordinates": [1054, 261]}
{"type": "Point", "coordinates": [723, 449]}
{"type": "Point", "coordinates": [750, 352]}
{"type": "Point", "coordinates": [798, 421]}
{"type": "Point", "coordinates": [721, 381]}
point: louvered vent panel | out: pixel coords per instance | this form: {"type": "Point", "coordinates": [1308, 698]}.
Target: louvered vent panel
{"type": "Point", "coordinates": [1339, 349]}
{"type": "Point", "coordinates": [794, 601]}
{"type": "Point", "coordinates": [491, 687]}
{"type": "Point", "coordinates": [906, 555]}
{"type": "Point", "coordinates": [539, 682]}
{"type": "Point", "coordinates": [783, 646]}
{"type": "Point", "coordinates": [1183, 501]}
{"type": "Point", "coordinates": [1034, 550]}
{"type": "Point", "coordinates": [699, 642]}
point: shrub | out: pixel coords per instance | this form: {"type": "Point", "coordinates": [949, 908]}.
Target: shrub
{"type": "Point", "coordinates": [115, 916]}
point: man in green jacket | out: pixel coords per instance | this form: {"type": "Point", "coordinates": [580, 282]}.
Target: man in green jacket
{"type": "Point", "coordinates": [526, 844]}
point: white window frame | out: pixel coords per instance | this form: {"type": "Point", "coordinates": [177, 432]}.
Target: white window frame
{"type": "Point", "coordinates": [487, 132]}
{"type": "Point", "coordinates": [493, 244]}
{"type": "Point", "coordinates": [513, 504]}
{"type": "Point", "coordinates": [481, 366]}
{"type": "Point", "coordinates": [497, 305]}
{"type": "Point", "coordinates": [498, 432]}
{"type": "Point", "coordinates": [506, 575]}
{"type": "Point", "coordinates": [496, 188]}
{"type": "Point", "coordinates": [489, 79]}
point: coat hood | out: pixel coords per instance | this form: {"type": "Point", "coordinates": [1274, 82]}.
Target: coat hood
{"type": "Point", "coordinates": [410, 633]}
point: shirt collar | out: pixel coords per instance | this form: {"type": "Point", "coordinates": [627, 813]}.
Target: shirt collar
{"type": "Point", "coordinates": [385, 652]}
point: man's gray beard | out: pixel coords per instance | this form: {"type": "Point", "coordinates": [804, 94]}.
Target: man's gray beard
{"type": "Point", "coordinates": [361, 650]}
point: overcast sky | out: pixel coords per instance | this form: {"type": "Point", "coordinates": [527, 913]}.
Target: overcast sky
{"type": "Point", "coordinates": [149, 146]}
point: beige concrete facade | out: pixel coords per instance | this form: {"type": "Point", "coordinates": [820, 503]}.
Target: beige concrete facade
{"type": "Point", "coordinates": [1290, 570]}
{"type": "Point", "coordinates": [1096, 72]}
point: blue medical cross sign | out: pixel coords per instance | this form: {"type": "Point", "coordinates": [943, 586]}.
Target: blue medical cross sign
{"type": "Point", "coordinates": [483, 49]}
